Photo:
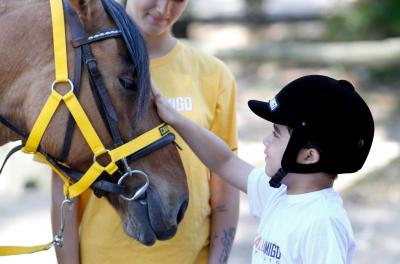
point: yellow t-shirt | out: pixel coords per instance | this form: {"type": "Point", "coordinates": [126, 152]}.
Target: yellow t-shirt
{"type": "Point", "coordinates": [204, 90]}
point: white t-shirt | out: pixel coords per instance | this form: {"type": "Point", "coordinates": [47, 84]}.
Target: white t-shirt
{"type": "Point", "coordinates": [310, 228]}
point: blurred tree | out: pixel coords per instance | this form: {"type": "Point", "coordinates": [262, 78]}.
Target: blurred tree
{"type": "Point", "coordinates": [254, 7]}
{"type": "Point", "coordinates": [366, 19]}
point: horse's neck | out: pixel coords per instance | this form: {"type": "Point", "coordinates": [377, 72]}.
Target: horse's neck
{"type": "Point", "coordinates": [22, 45]}
{"type": "Point", "coordinates": [6, 135]}
{"type": "Point", "coordinates": [7, 6]}
{"type": "Point", "coordinates": [26, 53]}
{"type": "Point", "coordinates": [26, 58]}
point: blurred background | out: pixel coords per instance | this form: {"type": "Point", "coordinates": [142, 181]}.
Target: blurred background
{"type": "Point", "coordinates": [266, 44]}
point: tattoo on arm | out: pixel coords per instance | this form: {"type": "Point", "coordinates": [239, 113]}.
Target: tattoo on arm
{"type": "Point", "coordinates": [226, 240]}
{"type": "Point", "coordinates": [220, 209]}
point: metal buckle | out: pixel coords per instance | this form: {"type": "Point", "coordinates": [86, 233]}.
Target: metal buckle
{"type": "Point", "coordinates": [58, 239]}
{"type": "Point", "coordinates": [141, 190]}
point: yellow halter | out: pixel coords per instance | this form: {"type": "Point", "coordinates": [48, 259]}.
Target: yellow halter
{"type": "Point", "coordinates": [72, 190]}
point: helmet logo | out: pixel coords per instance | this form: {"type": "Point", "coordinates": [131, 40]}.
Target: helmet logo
{"type": "Point", "coordinates": [273, 104]}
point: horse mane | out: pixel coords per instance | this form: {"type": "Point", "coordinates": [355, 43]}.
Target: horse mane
{"type": "Point", "coordinates": [137, 50]}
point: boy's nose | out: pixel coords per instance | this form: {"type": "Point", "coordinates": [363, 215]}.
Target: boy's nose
{"type": "Point", "coordinates": [265, 140]}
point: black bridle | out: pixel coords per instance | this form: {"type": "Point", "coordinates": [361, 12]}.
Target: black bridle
{"type": "Point", "coordinates": [84, 57]}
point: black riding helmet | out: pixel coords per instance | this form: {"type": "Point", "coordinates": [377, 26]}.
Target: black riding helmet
{"type": "Point", "coordinates": [328, 113]}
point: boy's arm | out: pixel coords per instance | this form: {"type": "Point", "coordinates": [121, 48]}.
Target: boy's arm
{"type": "Point", "coordinates": [210, 149]}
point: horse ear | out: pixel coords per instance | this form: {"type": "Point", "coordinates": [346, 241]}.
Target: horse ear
{"type": "Point", "coordinates": [82, 7]}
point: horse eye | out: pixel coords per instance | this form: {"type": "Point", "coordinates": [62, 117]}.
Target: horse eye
{"type": "Point", "coordinates": [127, 83]}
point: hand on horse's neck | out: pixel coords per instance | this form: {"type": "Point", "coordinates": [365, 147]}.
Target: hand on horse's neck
{"type": "Point", "coordinates": [159, 46]}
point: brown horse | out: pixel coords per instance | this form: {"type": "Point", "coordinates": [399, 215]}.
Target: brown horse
{"type": "Point", "coordinates": [26, 73]}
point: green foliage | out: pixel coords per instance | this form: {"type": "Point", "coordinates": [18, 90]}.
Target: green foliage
{"type": "Point", "coordinates": [366, 19]}
{"type": "Point", "coordinates": [386, 75]}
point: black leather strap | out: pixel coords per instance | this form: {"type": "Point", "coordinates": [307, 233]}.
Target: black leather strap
{"type": "Point", "coordinates": [100, 183]}
{"type": "Point", "coordinates": [152, 147]}
{"type": "Point", "coordinates": [100, 35]}
{"type": "Point", "coordinates": [9, 154]}
{"type": "Point", "coordinates": [103, 99]}
{"type": "Point", "coordinates": [275, 181]}
{"type": "Point", "coordinates": [13, 127]}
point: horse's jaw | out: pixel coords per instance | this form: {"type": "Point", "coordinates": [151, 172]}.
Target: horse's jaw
{"type": "Point", "coordinates": [148, 221]}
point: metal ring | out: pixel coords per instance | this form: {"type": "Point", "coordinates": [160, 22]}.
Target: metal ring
{"type": "Point", "coordinates": [71, 85]}
{"type": "Point", "coordinates": [90, 60]}
{"type": "Point", "coordinates": [105, 151]}
{"type": "Point", "coordinates": [141, 190]}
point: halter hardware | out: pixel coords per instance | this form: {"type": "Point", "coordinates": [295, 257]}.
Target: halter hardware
{"type": "Point", "coordinates": [91, 137]}
{"type": "Point", "coordinates": [58, 239]}
{"type": "Point", "coordinates": [145, 143]}
{"type": "Point", "coordinates": [141, 190]}
{"type": "Point", "coordinates": [71, 85]}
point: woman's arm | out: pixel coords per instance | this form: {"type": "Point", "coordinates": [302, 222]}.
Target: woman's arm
{"type": "Point", "coordinates": [210, 149]}
{"type": "Point", "coordinates": [224, 218]}
{"type": "Point", "coordinates": [69, 252]}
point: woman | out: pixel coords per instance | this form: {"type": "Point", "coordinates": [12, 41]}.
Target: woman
{"type": "Point", "coordinates": [203, 89]}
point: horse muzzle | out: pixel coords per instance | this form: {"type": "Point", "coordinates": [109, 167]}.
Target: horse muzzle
{"type": "Point", "coordinates": [149, 219]}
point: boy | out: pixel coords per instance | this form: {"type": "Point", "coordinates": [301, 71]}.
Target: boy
{"type": "Point", "coordinates": [322, 127]}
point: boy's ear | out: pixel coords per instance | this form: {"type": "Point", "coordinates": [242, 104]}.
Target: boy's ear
{"type": "Point", "coordinates": [308, 156]}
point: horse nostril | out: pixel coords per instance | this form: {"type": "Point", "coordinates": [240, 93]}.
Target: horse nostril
{"type": "Point", "coordinates": [181, 211]}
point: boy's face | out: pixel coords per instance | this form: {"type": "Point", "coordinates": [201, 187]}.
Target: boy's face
{"type": "Point", "coordinates": [155, 17]}
{"type": "Point", "coordinates": [275, 145]}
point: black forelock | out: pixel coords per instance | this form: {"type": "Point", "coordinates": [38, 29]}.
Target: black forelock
{"type": "Point", "coordinates": [137, 50]}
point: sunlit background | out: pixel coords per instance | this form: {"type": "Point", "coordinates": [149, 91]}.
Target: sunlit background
{"type": "Point", "coordinates": [266, 44]}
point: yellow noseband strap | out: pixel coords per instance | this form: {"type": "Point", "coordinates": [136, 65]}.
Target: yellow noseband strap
{"type": "Point", "coordinates": [59, 43]}
{"type": "Point", "coordinates": [91, 138]}
{"type": "Point", "coordinates": [84, 124]}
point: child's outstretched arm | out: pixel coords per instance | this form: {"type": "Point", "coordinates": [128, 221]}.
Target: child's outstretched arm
{"type": "Point", "coordinates": [211, 150]}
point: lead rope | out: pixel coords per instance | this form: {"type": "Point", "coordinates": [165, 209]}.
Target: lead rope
{"type": "Point", "coordinates": [58, 239]}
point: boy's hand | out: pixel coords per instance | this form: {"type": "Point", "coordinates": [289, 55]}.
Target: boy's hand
{"type": "Point", "coordinates": [166, 112]}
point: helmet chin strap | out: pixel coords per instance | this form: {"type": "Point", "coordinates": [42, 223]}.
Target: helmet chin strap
{"type": "Point", "coordinates": [275, 181]}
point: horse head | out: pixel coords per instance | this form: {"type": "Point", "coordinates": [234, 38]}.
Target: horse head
{"type": "Point", "coordinates": [26, 73]}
